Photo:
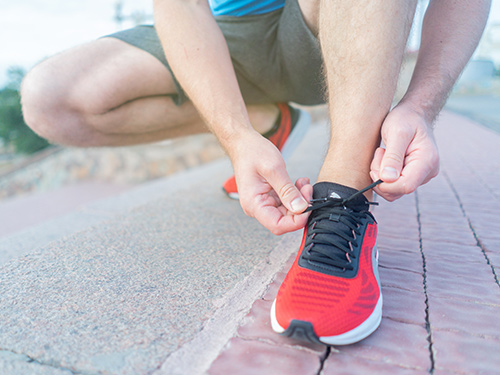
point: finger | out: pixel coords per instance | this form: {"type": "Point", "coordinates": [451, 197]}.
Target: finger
{"type": "Point", "coordinates": [307, 192]}
{"type": "Point", "coordinates": [301, 182]}
{"type": "Point", "coordinates": [377, 160]}
{"type": "Point", "coordinates": [413, 175]}
{"type": "Point", "coordinates": [278, 222]}
{"type": "Point", "coordinates": [394, 155]}
{"type": "Point", "coordinates": [288, 193]}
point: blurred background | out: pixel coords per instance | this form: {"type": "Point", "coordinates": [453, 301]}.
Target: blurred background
{"type": "Point", "coordinates": [39, 181]}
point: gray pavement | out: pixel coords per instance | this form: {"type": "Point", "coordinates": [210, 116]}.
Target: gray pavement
{"type": "Point", "coordinates": [143, 280]}
{"type": "Point", "coordinates": [172, 278]}
{"type": "Point", "coordinates": [28, 210]}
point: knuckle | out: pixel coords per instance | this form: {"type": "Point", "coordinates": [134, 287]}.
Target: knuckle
{"type": "Point", "coordinates": [286, 190]}
{"type": "Point", "coordinates": [276, 232]}
{"type": "Point", "coordinates": [270, 168]}
{"type": "Point", "coordinates": [410, 188]}
{"type": "Point", "coordinates": [393, 157]}
{"type": "Point", "coordinates": [247, 209]}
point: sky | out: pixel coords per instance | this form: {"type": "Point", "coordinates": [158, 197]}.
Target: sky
{"type": "Point", "coordinates": [31, 30]}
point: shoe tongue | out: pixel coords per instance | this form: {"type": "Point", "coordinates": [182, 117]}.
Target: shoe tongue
{"type": "Point", "coordinates": [330, 189]}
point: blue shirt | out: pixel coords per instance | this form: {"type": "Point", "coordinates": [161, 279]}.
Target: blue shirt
{"type": "Point", "coordinates": [244, 7]}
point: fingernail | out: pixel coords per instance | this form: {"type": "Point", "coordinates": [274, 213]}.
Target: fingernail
{"type": "Point", "coordinates": [298, 205]}
{"type": "Point", "coordinates": [390, 173]}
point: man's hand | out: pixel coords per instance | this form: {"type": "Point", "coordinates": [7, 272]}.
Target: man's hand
{"type": "Point", "coordinates": [264, 187]}
{"type": "Point", "coordinates": [410, 158]}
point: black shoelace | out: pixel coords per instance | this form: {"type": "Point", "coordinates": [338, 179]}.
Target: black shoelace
{"type": "Point", "coordinates": [324, 231]}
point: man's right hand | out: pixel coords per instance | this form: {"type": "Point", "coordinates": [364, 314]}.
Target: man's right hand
{"type": "Point", "coordinates": [265, 190]}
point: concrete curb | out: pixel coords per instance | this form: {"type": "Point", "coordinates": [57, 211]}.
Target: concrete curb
{"type": "Point", "coordinates": [197, 356]}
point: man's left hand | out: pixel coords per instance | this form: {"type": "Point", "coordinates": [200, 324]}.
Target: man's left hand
{"type": "Point", "coordinates": [410, 158]}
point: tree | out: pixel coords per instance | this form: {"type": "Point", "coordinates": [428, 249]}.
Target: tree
{"type": "Point", "coordinates": [13, 129]}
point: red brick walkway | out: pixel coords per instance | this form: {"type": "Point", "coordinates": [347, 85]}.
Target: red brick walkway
{"type": "Point", "coordinates": [439, 268]}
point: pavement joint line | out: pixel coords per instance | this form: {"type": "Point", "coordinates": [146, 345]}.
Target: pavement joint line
{"type": "Point", "coordinates": [273, 343]}
{"type": "Point", "coordinates": [223, 324]}
{"type": "Point", "coordinates": [379, 360]}
{"type": "Point", "coordinates": [468, 300]}
{"type": "Point", "coordinates": [464, 161]}
{"type": "Point", "coordinates": [399, 269]}
{"type": "Point", "coordinates": [462, 332]}
{"type": "Point", "coordinates": [26, 358]}
{"type": "Point", "coordinates": [424, 275]}
{"type": "Point", "coordinates": [323, 358]}
{"type": "Point", "coordinates": [403, 321]}
{"type": "Point", "coordinates": [478, 240]}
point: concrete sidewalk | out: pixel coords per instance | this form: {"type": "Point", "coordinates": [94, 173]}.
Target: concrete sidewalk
{"type": "Point", "coordinates": [181, 282]}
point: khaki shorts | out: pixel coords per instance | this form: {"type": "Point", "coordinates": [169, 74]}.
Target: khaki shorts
{"type": "Point", "coordinates": [275, 56]}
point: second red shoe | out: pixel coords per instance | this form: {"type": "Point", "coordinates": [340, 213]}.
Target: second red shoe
{"type": "Point", "coordinates": [289, 130]}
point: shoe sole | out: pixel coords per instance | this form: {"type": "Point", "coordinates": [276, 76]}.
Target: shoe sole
{"type": "Point", "coordinates": [292, 142]}
{"type": "Point", "coordinates": [303, 330]}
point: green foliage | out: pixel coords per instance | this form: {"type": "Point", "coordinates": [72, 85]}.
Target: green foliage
{"type": "Point", "coordinates": [13, 129]}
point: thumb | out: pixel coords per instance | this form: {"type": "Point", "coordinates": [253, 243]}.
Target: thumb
{"type": "Point", "coordinates": [288, 193]}
{"type": "Point", "coordinates": [393, 158]}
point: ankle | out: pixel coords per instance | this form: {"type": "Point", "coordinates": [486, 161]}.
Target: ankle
{"type": "Point", "coordinates": [263, 117]}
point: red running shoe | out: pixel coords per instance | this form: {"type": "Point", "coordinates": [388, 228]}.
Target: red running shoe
{"type": "Point", "coordinates": [332, 295]}
{"type": "Point", "coordinates": [288, 131]}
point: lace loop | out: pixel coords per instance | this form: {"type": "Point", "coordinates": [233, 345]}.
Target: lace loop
{"type": "Point", "coordinates": [333, 202]}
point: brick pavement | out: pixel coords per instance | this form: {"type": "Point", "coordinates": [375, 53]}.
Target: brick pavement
{"type": "Point", "coordinates": [439, 269]}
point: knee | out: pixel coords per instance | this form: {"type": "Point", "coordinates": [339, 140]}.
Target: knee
{"type": "Point", "coordinates": [47, 109]}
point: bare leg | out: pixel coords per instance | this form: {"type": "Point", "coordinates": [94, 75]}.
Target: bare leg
{"type": "Point", "coordinates": [108, 93]}
{"type": "Point", "coordinates": [363, 44]}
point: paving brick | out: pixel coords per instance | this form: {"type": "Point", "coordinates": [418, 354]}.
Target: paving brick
{"type": "Point", "coordinates": [397, 244]}
{"type": "Point", "coordinates": [397, 219]}
{"type": "Point", "coordinates": [392, 230]}
{"type": "Point", "coordinates": [401, 279]}
{"type": "Point", "coordinates": [459, 280]}
{"type": "Point", "coordinates": [398, 343]}
{"type": "Point", "coordinates": [271, 291]}
{"type": "Point", "coordinates": [460, 268]}
{"type": "Point", "coordinates": [494, 258]}
{"type": "Point", "coordinates": [437, 251]}
{"type": "Point", "coordinates": [403, 305]}
{"type": "Point", "coordinates": [484, 223]}
{"type": "Point", "coordinates": [465, 354]}
{"type": "Point", "coordinates": [445, 372]}
{"type": "Point", "coordinates": [257, 326]}
{"type": "Point", "coordinates": [460, 234]}
{"type": "Point", "coordinates": [491, 245]}
{"type": "Point", "coordinates": [397, 228]}
{"type": "Point", "coordinates": [459, 288]}
{"type": "Point", "coordinates": [410, 261]}
{"type": "Point", "coordinates": [450, 207]}
{"type": "Point", "coordinates": [342, 364]}
{"type": "Point", "coordinates": [430, 199]}
{"type": "Point", "coordinates": [473, 318]}
{"type": "Point", "coordinates": [244, 357]}
{"type": "Point", "coordinates": [402, 205]}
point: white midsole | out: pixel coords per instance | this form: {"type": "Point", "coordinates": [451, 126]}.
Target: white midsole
{"type": "Point", "coordinates": [362, 331]}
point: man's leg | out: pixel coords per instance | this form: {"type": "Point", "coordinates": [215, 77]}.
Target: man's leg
{"type": "Point", "coordinates": [363, 45]}
{"type": "Point", "coordinates": [109, 93]}
{"type": "Point", "coordinates": [332, 293]}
